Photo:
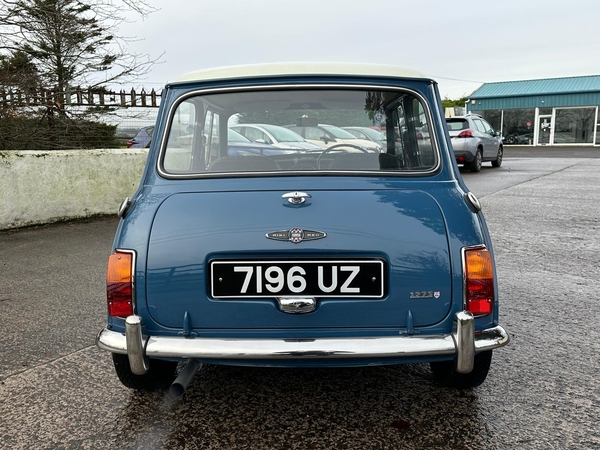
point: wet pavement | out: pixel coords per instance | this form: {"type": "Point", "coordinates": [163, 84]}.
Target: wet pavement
{"type": "Point", "coordinates": [57, 390]}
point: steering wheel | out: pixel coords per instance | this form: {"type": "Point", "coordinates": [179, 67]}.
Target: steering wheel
{"type": "Point", "coordinates": [337, 147]}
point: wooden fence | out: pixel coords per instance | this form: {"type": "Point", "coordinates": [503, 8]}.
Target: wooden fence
{"type": "Point", "coordinates": [80, 97]}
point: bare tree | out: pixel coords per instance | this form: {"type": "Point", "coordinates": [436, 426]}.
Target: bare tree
{"type": "Point", "coordinates": [73, 42]}
{"type": "Point", "coordinates": [58, 45]}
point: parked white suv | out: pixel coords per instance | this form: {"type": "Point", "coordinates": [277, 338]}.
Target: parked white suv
{"type": "Point", "coordinates": [474, 141]}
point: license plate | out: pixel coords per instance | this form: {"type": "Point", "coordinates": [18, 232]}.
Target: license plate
{"type": "Point", "coordinates": [323, 278]}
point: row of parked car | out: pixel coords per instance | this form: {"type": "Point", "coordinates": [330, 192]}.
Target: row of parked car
{"type": "Point", "coordinates": [311, 138]}
{"type": "Point", "coordinates": [473, 139]}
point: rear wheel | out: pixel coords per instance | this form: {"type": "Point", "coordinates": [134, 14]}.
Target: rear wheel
{"type": "Point", "coordinates": [445, 374]}
{"type": "Point", "coordinates": [475, 165]}
{"type": "Point", "coordinates": [498, 161]}
{"type": "Point", "coordinates": [160, 376]}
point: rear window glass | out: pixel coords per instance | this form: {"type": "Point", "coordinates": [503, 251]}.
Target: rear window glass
{"type": "Point", "coordinates": [200, 140]}
{"type": "Point", "coordinates": [457, 124]}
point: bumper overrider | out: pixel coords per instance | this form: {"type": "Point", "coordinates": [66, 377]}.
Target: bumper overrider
{"type": "Point", "coordinates": [463, 342]}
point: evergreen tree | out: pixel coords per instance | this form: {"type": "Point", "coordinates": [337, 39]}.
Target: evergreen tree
{"type": "Point", "coordinates": [70, 42]}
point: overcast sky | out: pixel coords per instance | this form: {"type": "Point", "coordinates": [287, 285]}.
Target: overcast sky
{"type": "Point", "coordinates": [461, 44]}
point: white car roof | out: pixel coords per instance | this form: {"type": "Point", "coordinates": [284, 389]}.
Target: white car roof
{"type": "Point", "coordinates": [298, 68]}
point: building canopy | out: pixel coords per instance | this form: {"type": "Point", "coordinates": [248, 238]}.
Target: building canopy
{"type": "Point", "coordinates": [570, 85]}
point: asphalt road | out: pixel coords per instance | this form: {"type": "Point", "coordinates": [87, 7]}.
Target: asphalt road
{"type": "Point", "coordinates": [57, 390]}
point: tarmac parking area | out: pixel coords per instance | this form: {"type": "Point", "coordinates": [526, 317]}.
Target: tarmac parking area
{"type": "Point", "coordinates": [57, 390]}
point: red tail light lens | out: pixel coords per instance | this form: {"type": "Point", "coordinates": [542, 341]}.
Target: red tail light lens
{"type": "Point", "coordinates": [119, 284]}
{"type": "Point", "coordinates": [465, 134]}
{"type": "Point", "coordinates": [479, 270]}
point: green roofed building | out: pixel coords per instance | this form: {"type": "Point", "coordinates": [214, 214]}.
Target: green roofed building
{"type": "Point", "coordinates": [554, 111]}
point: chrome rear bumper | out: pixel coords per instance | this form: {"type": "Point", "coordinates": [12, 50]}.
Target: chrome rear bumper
{"type": "Point", "coordinates": [462, 342]}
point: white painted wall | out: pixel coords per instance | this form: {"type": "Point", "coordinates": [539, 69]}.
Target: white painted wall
{"type": "Point", "coordinates": [41, 187]}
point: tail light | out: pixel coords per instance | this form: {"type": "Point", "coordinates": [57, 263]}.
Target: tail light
{"type": "Point", "coordinates": [119, 284]}
{"type": "Point", "coordinates": [129, 144]}
{"type": "Point", "coordinates": [479, 281]}
{"type": "Point", "coordinates": [465, 134]}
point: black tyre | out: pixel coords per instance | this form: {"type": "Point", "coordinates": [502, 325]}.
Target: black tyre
{"type": "Point", "coordinates": [498, 161]}
{"type": "Point", "coordinates": [475, 165]}
{"type": "Point", "coordinates": [160, 376]}
{"type": "Point", "coordinates": [445, 374]}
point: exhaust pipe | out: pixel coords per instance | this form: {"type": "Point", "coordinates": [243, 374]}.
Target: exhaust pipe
{"type": "Point", "coordinates": [183, 379]}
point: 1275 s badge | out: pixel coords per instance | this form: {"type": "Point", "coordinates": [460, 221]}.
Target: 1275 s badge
{"type": "Point", "coordinates": [425, 294]}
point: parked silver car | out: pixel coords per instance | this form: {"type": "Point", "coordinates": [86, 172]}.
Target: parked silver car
{"type": "Point", "coordinates": [474, 141]}
{"type": "Point", "coordinates": [277, 136]}
{"type": "Point", "coordinates": [368, 134]}
{"type": "Point", "coordinates": [329, 135]}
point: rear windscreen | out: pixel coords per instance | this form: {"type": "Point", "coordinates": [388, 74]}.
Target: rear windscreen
{"type": "Point", "coordinates": [457, 124]}
{"type": "Point", "coordinates": [291, 130]}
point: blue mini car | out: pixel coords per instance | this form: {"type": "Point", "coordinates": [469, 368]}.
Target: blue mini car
{"type": "Point", "coordinates": [339, 257]}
